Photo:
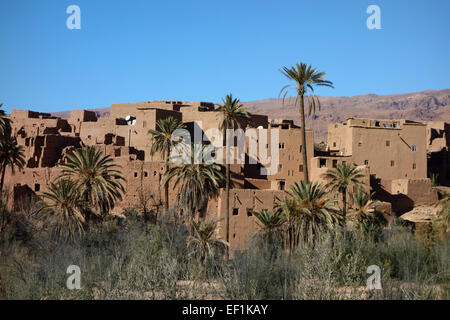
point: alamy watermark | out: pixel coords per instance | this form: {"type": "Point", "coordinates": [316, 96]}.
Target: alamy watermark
{"type": "Point", "coordinates": [374, 20]}
{"type": "Point", "coordinates": [74, 280]}
{"type": "Point", "coordinates": [74, 20]}
{"type": "Point", "coordinates": [374, 281]}
{"type": "Point", "coordinates": [208, 147]}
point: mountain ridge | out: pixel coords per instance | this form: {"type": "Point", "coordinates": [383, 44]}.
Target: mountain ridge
{"type": "Point", "coordinates": [428, 105]}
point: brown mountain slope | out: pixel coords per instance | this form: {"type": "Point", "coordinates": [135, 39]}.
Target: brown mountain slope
{"type": "Point", "coordinates": [430, 105]}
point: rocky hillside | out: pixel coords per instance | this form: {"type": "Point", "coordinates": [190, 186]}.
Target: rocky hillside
{"type": "Point", "coordinates": [430, 105]}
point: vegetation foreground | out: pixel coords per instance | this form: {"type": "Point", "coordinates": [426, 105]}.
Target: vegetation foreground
{"type": "Point", "coordinates": [134, 259]}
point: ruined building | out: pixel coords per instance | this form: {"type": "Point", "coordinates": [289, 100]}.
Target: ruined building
{"type": "Point", "coordinates": [392, 153]}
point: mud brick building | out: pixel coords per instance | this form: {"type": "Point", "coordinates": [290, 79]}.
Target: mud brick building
{"type": "Point", "coordinates": [392, 153]}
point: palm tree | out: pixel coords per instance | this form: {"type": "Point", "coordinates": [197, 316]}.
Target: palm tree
{"type": "Point", "coordinates": [231, 111]}
{"type": "Point", "coordinates": [203, 242]}
{"type": "Point", "coordinates": [305, 78]}
{"type": "Point", "coordinates": [269, 222]}
{"type": "Point", "coordinates": [163, 144]}
{"type": "Point", "coordinates": [5, 123]}
{"type": "Point", "coordinates": [12, 156]}
{"type": "Point", "coordinates": [97, 177]}
{"type": "Point", "coordinates": [197, 181]}
{"type": "Point", "coordinates": [364, 211]}
{"type": "Point", "coordinates": [341, 178]}
{"type": "Point", "coordinates": [64, 209]}
{"type": "Point", "coordinates": [315, 211]}
{"type": "Point", "coordinates": [289, 207]}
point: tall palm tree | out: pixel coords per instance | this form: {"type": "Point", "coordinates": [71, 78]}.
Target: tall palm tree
{"type": "Point", "coordinates": [316, 211]}
{"type": "Point", "coordinates": [97, 177]}
{"type": "Point", "coordinates": [306, 78]}
{"type": "Point", "coordinates": [197, 181]}
{"type": "Point", "coordinates": [12, 156]}
{"type": "Point", "coordinates": [231, 111]}
{"type": "Point", "coordinates": [63, 209]}
{"type": "Point", "coordinates": [5, 123]}
{"type": "Point", "coordinates": [163, 143]}
{"type": "Point", "coordinates": [364, 211]}
{"type": "Point", "coordinates": [341, 178]}
{"type": "Point", "coordinates": [203, 242]}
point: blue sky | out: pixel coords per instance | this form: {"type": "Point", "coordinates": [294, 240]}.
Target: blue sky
{"type": "Point", "coordinates": [135, 50]}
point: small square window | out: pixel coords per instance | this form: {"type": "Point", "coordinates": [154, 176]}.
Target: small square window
{"type": "Point", "coordinates": [334, 144]}
{"type": "Point", "coordinates": [414, 166]}
{"type": "Point", "coordinates": [300, 168]}
{"type": "Point", "coordinates": [249, 212]}
{"type": "Point", "coordinates": [359, 144]}
{"type": "Point", "coordinates": [322, 163]}
{"type": "Point", "coordinates": [366, 162]}
{"type": "Point", "coordinates": [392, 163]}
{"type": "Point", "coordinates": [37, 187]}
{"type": "Point", "coordinates": [135, 174]}
{"type": "Point", "coordinates": [145, 174]}
{"type": "Point", "coordinates": [235, 211]}
{"type": "Point", "coordinates": [414, 148]}
{"type": "Point", "coordinates": [388, 143]}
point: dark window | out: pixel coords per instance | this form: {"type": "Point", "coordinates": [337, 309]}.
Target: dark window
{"type": "Point", "coordinates": [392, 163]}
{"type": "Point", "coordinates": [135, 174]}
{"type": "Point", "coordinates": [414, 166]}
{"type": "Point", "coordinates": [334, 144]}
{"type": "Point", "coordinates": [282, 185]}
{"type": "Point", "coordinates": [377, 123]}
{"type": "Point", "coordinates": [322, 163]}
{"type": "Point", "coordinates": [145, 174]}
{"type": "Point", "coordinates": [301, 148]}
{"type": "Point", "coordinates": [235, 211]}
{"type": "Point", "coordinates": [37, 187]}
{"type": "Point", "coordinates": [300, 168]}
{"type": "Point", "coordinates": [366, 162]}
{"type": "Point", "coordinates": [334, 163]}
{"type": "Point", "coordinates": [249, 212]}
{"type": "Point", "coordinates": [388, 143]}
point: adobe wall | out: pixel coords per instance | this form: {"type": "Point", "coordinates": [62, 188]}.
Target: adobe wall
{"type": "Point", "coordinates": [340, 139]}
{"type": "Point", "coordinates": [242, 222]}
{"type": "Point", "coordinates": [391, 153]}
{"type": "Point", "coordinates": [405, 194]}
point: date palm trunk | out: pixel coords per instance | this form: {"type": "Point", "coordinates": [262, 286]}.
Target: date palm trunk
{"type": "Point", "coordinates": [2, 181]}
{"type": "Point", "coordinates": [303, 131]}
{"type": "Point", "coordinates": [166, 187]}
{"type": "Point", "coordinates": [227, 191]}
{"type": "Point", "coordinates": [344, 203]}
